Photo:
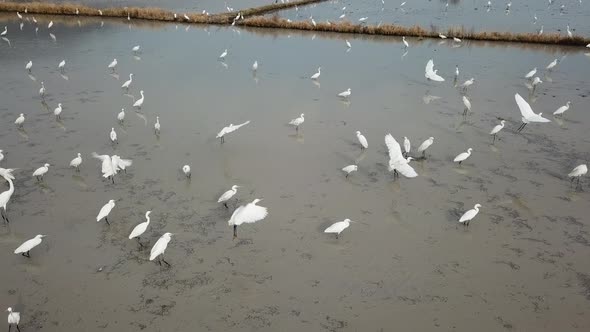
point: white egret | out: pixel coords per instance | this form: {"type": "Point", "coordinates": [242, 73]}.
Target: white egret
{"type": "Point", "coordinates": [121, 115]}
{"type": "Point", "coordinates": [456, 72]}
{"type": "Point", "coordinates": [120, 164]}
{"type": "Point", "coordinates": [312, 21]}
{"type": "Point", "coordinates": [229, 129]}
{"type": "Point", "coordinates": [160, 247]}
{"type": "Point", "coordinates": [157, 125]}
{"type": "Point", "coordinates": [6, 173]}
{"type": "Point", "coordinates": [442, 36]}
{"type": "Point", "coordinates": [42, 90]}
{"type": "Point", "coordinates": [255, 66]}
{"type": "Point", "coordinates": [467, 104]}
{"type": "Point", "coordinates": [469, 215]}
{"type": "Point", "coordinates": [62, 65]}
{"type": "Point", "coordinates": [50, 25]}
{"type": "Point", "coordinates": [1, 155]}
{"type": "Point", "coordinates": [349, 169]}
{"type": "Point", "coordinates": [3, 33]}
{"type": "Point", "coordinates": [407, 146]}
{"type": "Point", "coordinates": [363, 19]}
{"type": "Point", "coordinates": [186, 18]}
{"type": "Point", "coordinates": [19, 15]}
{"type": "Point", "coordinates": [107, 169]}
{"type": "Point", "coordinates": [25, 248]}
{"type": "Point", "coordinates": [113, 136]}
{"type": "Point", "coordinates": [531, 73]}
{"type": "Point", "coordinates": [223, 55]}
{"type": "Point", "coordinates": [77, 11]}
{"type": "Point", "coordinates": [226, 196]}
{"type": "Point", "coordinates": [57, 111]}
{"type": "Point", "coordinates": [397, 162]}
{"type": "Point", "coordinates": [468, 83]}
{"type": "Point", "coordinates": [112, 65]}
{"type": "Point", "coordinates": [497, 129]}
{"type": "Point", "coordinates": [297, 122]}
{"type": "Point", "coordinates": [100, 12]}
{"type": "Point", "coordinates": [13, 319]}
{"type": "Point", "coordinates": [362, 140]}
{"type": "Point", "coordinates": [463, 156]}
{"type": "Point", "coordinates": [562, 109]}
{"type": "Point", "coordinates": [317, 75]}
{"type": "Point", "coordinates": [540, 31]}
{"type": "Point", "coordinates": [405, 42]}
{"type": "Point", "coordinates": [6, 195]}
{"type": "Point", "coordinates": [186, 169]}
{"type": "Point", "coordinates": [105, 211]}
{"type": "Point", "coordinates": [536, 81]}
{"type": "Point", "coordinates": [578, 172]}
{"type": "Point", "coordinates": [425, 145]}
{"type": "Point", "coordinates": [140, 229]}
{"type": "Point", "coordinates": [135, 49]}
{"type": "Point", "coordinates": [345, 94]}
{"type": "Point", "coordinates": [39, 172]}
{"type": "Point", "coordinates": [569, 32]}
{"type": "Point", "coordinates": [431, 74]}
{"type": "Point", "coordinates": [338, 227]}
{"type": "Point", "coordinates": [552, 64]}
{"type": "Point", "coordinates": [527, 113]}
{"type": "Point", "coordinates": [29, 65]}
{"type": "Point", "coordinates": [128, 82]}
{"type": "Point", "coordinates": [20, 120]}
{"type": "Point", "coordinates": [76, 162]}
{"type": "Point", "coordinates": [139, 102]}
{"type": "Point", "coordinates": [342, 16]}
{"type": "Point", "coordinates": [456, 40]}
{"type": "Point", "coordinates": [249, 213]}
{"type": "Point", "coordinates": [348, 43]}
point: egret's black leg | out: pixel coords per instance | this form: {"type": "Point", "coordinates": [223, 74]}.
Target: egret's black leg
{"type": "Point", "coordinates": [138, 241]}
{"type": "Point", "coordinates": [9, 327]}
{"type": "Point", "coordinates": [460, 162]}
{"type": "Point", "coordinates": [494, 139]}
{"type": "Point", "coordinates": [18, 328]}
{"type": "Point", "coordinates": [225, 204]}
{"type": "Point", "coordinates": [347, 174]}
{"type": "Point", "coordinates": [235, 231]}
{"type": "Point", "coordinates": [159, 261]}
{"type": "Point", "coordinates": [163, 260]}
{"type": "Point", "coordinates": [107, 220]}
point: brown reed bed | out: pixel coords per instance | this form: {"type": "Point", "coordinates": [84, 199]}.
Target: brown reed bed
{"type": "Point", "coordinates": [415, 31]}
{"type": "Point", "coordinates": [144, 13]}
{"type": "Point", "coordinates": [253, 18]}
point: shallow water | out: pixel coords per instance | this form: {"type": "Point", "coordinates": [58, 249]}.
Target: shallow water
{"type": "Point", "coordinates": [407, 264]}
{"type": "Point", "coordinates": [468, 14]}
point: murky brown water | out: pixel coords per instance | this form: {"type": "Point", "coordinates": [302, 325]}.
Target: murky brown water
{"type": "Point", "coordinates": [407, 265]}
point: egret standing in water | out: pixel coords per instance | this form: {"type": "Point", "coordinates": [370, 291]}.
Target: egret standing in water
{"type": "Point", "coordinates": [407, 146]}
{"type": "Point", "coordinates": [297, 121]}
{"type": "Point", "coordinates": [13, 319]}
{"type": "Point", "coordinates": [139, 102]}
{"type": "Point", "coordinates": [121, 115]}
{"type": "Point", "coordinates": [425, 145]}
{"type": "Point", "coordinates": [157, 126]}
{"type": "Point", "coordinates": [527, 113]}
{"type": "Point", "coordinates": [29, 65]}
{"type": "Point", "coordinates": [345, 94]}
{"type": "Point", "coordinates": [57, 111]}
{"type": "Point", "coordinates": [42, 90]}
{"type": "Point", "coordinates": [317, 75]}
{"type": "Point", "coordinates": [551, 65]}
{"type": "Point", "coordinates": [128, 82]}
{"type": "Point", "coordinates": [349, 169]}
{"type": "Point", "coordinates": [463, 156]}
{"type": "Point", "coordinates": [76, 162]}
{"type": "Point", "coordinates": [39, 172]}
{"type": "Point", "coordinates": [397, 162]}
{"type": "Point", "coordinates": [62, 65]}
{"type": "Point", "coordinates": [113, 136]}
{"type": "Point", "coordinates": [467, 104]}
{"type": "Point", "coordinates": [112, 65]}
{"type": "Point", "coordinates": [223, 55]}
{"type": "Point", "coordinates": [140, 229]}
{"type": "Point", "coordinates": [186, 169]}
{"type": "Point", "coordinates": [338, 227]}
{"type": "Point", "coordinates": [255, 66]}
{"type": "Point", "coordinates": [6, 195]}
{"type": "Point", "coordinates": [135, 49]}
{"type": "Point", "coordinates": [562, 109]}
{"type": "Point", "coordinates": [105, 211]}
{"type": "Point", "coordinates": [20, 120]}
{"type": "Point", "coordinates": [160, 247]}
{"type": "Point", "coordinates": [229, 129]}
{"type": "Point", "coordinates": [405, 42]}
{"type": "Point", "coordinates": [249, 213]}
{"type": "Point", "coordinates": [362, 140]}
{"type": "Point", "coordinates": [226, 196]}
{"type": "Point", "coordinates": [469, 215]}
{"type": "Point", "coordinates": [497, 129]}
{"type": "Point", "coordinates": [531, 73]}
{"type": "Point", "coordinates": [26, 247]}
{"type": "Point", "coordinates": [431, 74]}
{"type": "Point", "coordinates": [107, 169]}
{"type": "Point", "coordinates": [578, 172]}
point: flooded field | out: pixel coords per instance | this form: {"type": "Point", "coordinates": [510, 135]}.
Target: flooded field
{"type": "Point", "coordinates": [407, 264]}
{"type": "Point", "coordinates": [473, 14]}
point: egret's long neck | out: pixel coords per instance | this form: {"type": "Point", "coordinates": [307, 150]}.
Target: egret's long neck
{"type": "Point", "coordinates": [148, 220]}
{"type": "Point", "coordinates": [11, 189]}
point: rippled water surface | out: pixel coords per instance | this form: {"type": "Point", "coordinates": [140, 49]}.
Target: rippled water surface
{"type": "Point", "coordinates": [405, 265]}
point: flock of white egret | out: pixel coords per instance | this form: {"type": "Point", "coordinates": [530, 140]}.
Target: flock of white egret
{"type": "Point", "coordinates": [399, 160]}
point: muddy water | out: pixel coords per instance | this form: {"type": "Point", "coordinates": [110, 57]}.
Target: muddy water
{"type": "Point", "coordinates": [521, 265]}
{"type": "Point", "coordinates": [472, 14]}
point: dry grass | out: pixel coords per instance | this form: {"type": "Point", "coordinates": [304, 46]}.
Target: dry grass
{"type": "Point", "coordinates": [415, 31]}
{"type": "Point", "coordinates": [144, 13]}
{"type": "Point", "coordinates": [253, 19]}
